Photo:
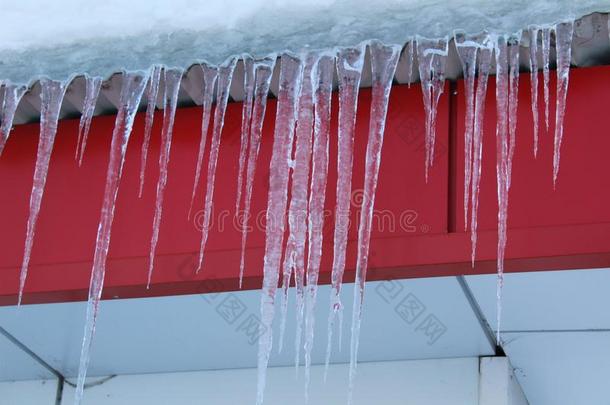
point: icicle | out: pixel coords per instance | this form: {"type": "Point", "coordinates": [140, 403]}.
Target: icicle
{"type": "Point", "coordinates": [264, 71]}
{"type": "Point", "coordinates": [514, 43]}
{"type": "Point", "coordinates": [507, 85]}
{"type": "Point", "coordinates": [294, 256]}
{"type": "Point", "coordinates": [210, 75]}
{"type": "Point", "coordinates": [323, 81]}
{"type": "Point", "coordinates": [349, 68]}
{"type": "Point", "coordinates": [411, 52]}
{"type": "Point", "coordinates": [563, 47]}
{"type": "Point", "coordinates": [12, 96]}
{"type": "Point", "coordinates": [152, 95]}
{"type": "Point", "coordinates": [432, 58]}
{"type": "Point", "coordinates": [173, 77]}
{"type": "Point", "coordinates": [92, 91]}
{"type": "Point", "coordinates": [290, 83]}
{"type": "Point", "coordinates": [51, 96]}
{"type": "Point", "coordinates": [131, 93]}
{"type": "Point", "coordinates": [383, 65]}
{"type": "Point", "coordinates": [225, 74]}
{"type": "Point", "coordinates": [246, 114]}
{"type": "Point", "coordinates": [533, 34]}
{"type": "Point", "coordinates": [502, 147]}
{"type": "Point", "coordinates": [485, 53]}
{"type": "Point", "coordinates": [546, 50]}
{"type": "Point", "coordinates": [467, 48]}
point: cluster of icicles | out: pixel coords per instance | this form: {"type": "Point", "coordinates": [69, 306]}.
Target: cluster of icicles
{"type": "Point", "coordinates": [301, 147]}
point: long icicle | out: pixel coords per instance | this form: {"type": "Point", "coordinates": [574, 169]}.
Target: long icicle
{"type": "Point", "coordinates": [467, 48]}
{"type": "Point", "coordinates": [152, 95]}
{"type": "Point", "coordinates": [51, 96]}
{"type": "Point", "coordinates": [225, 74]}
{"type": "Point", "coordinates": [210, 76]}
{"type": "Point", "coordinates": [507, 85]}
{"type": "Point", "coordinates": [349, 68]}
{"type": "Point", "coordinates": [92, 91]}
{"type": "Point", "coordinates": [533, 36]}
{"type": "Point", "coordinates": [173, 77]}
{"type": "Point", "coordinates": [12, 95]}
{"type": "Point", "coordinates": [383, 65]}
{"type": "Point", "coordinates": [294, 256]}
{"type": "Point", "coordinates": [289, 88]}
{"type": "Point", "coordinates": [432, 59]}
{"type": "Point", "coordinates": [317, 196]}
{"type": "Point", "coordinates": [502, 108]}
{"type": "Point", "coordinates": [485, 54]}
{"type": "Point", "coordinates": [563, 47]}
{"type": "Point", "coordinates": [131, 94]}
{"type": "Point", "coordinates": [246, 115]}
{"type": "Point", "coordinates": [546, 51]}
{"type": "Point", "coordinates": [264, 71]}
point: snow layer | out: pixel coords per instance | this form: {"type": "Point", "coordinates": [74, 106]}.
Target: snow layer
{"type": "Point", "coordinates": [68, 37]}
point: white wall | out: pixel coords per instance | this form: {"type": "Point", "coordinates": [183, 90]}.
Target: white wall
{"type": "Point", "coordinates": [36, 392]}
{"type": "Point", "coordinates": [430, 382]}
{"type": "Point", "coordinates": [498, 385]}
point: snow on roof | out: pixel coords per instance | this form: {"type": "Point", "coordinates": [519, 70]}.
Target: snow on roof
{"type": "Point", "coordinates": [69, 37]}
{"type": "Point", "coordinates": [590, 46]}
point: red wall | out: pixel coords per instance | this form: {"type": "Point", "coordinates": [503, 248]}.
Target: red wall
{"type": "Point", "coordinates": [418, 230]}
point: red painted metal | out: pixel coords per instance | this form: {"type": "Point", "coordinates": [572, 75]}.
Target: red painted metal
{"type": "Point", "coordinates": [418, 227]}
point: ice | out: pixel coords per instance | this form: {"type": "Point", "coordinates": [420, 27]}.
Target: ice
{"type": "Point", "coordinates": [51, 96]}
{"type": "Point", "coordinates": [467, 48]}
{"type": "Point", "coordinates": [294, 256]}
{"type": "Point", "coordinates": [289, 88]}
{"type": "Point", "coordinates": [225, 74]}
{"type": "Point", "coordinates": [563, 47]}
{"type": "Point", "coordinates": [210, 75]}
{"type": "Point", "coordinates": [533, 57]}
{"type": "Point", "coordinates": [411, 52]}
{"type": "Point", "coordinates": [514, 43]}
{"type": "Point", "coordinates": [546, 51]}
{"type": "Point", "coordinates": [432, 58]}
{"type": "Point", "coordinates": [264, 71]}
{"type": "Point", "coordinates": [246, 116]}
{"type": "Point", "coordinates": [485, 53]}
{"type": "Point", "coordinates": [383, 64]}
{"type": "Point", "coordinates": [349, 68]}
{"type": "Point", "coordinates": [304, 101]}
{"type": "Point", "coordinates": [317, 196]}
{"type": "Point", "coordinates": [12, 96]}
{"type": "Point", "coordinates": [468, 58]}
{"type": "Point", "coordinates": [92, 91]}
{"type": "Point", "coordinates": [131, 93]}
{"type": "Point", "coordinates": [173, 77]}
{"type": "Point", "coordinates": [105, 37]}
{"type": "Point", "coordinates": [502, 146]}
{"type": "Point", "coordinates": [152, 95]}
{"type": "Point", "coordinates": [507, 76]}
